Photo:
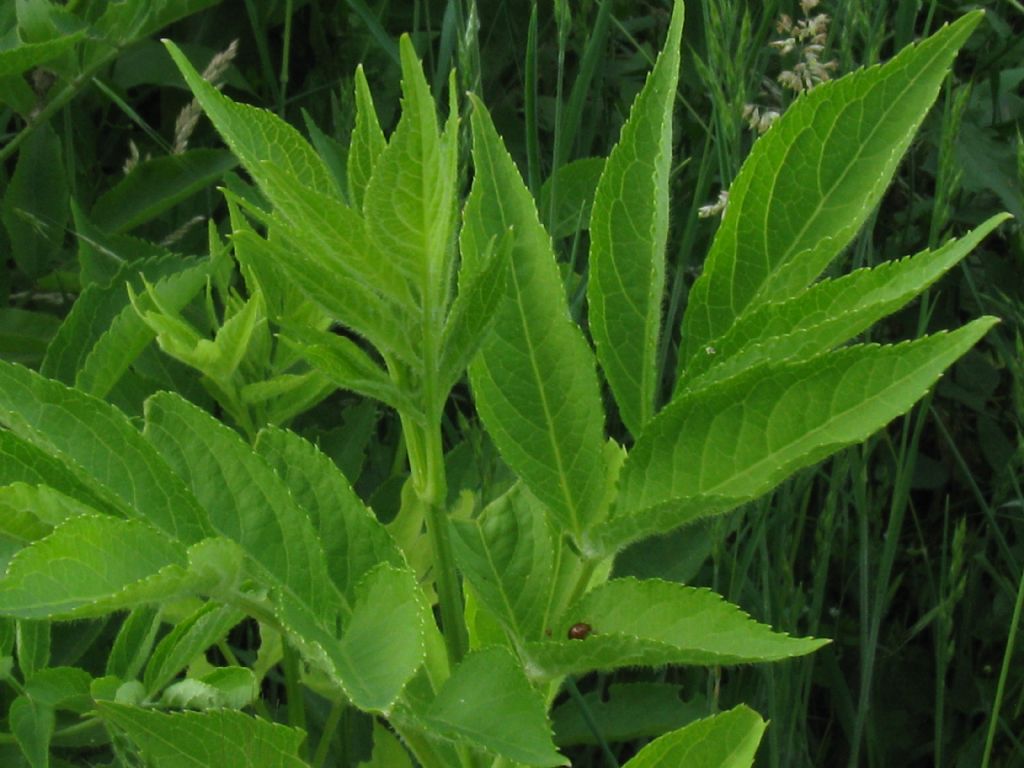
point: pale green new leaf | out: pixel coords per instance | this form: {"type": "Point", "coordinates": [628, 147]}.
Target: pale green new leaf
{"type": "Point", "coordinates": [507, 555]}
{"type": "Point", "coordinates": [654, 622]}
{"type": "Point", "coordinates": [726, 740]}
{"type": "Point", "coordinates": [534, 378]}
{"type": "Point", "coordinates": [409, 202]}
{"type": "Point", "coordinates": [246, 501]}
{"type": "Point", "coordinates": [176, 650]}
{"type": "Point", "coordinates": [101, 305]}
{"type": "Point", "coordinates": [229, 687]}
{"type": "Point", "coordinates": [127, 335]}
{"type": "Point", "coordinates": [811, 181]}
{"type": "Point", "coordinates": [91, 565]}
{"type": "Point", "coordinates": [258, 138]}
{"type": "Point", "coordinates": [98, 439]}
{"type": "Point", "coordinates": [346, 364]}
{"type": "Point", "coordinates": [628, 232]}
{"type": "Point", "coordinates": [367, 141]}
{"type": "Point", "coordinates": [489, 703]}
{"type": "Point", "coordinates": [354, 541]}
{"type": "Point", "coordinates": [220, 737]}
{"type": "Point", "coordinates": [827, 314]}
{"type": "Point", "coordinates": [715, 448]}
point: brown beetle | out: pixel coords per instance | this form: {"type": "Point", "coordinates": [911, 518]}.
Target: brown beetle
{"type": "Point", "coordinates": [580, 631]}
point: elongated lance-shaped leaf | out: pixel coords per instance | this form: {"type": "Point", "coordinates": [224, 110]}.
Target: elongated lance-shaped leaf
{"type": "Point", "coordinates": [534, 377]}
{"type": "Point", "coordinates": [348, 366]}
{"type": "Point", "coordinates": [179, 647]}
{"type": "Point", "coordinates": [258, 138]}
{"type": "Point", "coordinates": [473, 311]}
{"type": "Point", "coordinates": [201, 739]}
{"type": "Point", "coordinates": [627, 622]}
{"type": "Point", "coordinates": [354, 541]}
{"type": "Point", "coordinates": [715, 448]}
{"type": "Point", "coordinates": [21, 461]}
{"type": "Point", "coordinates": [347, 301]}
{"type": "Point", "coordinates": [324, 229]}
{"type": "Point", "coordinates": [409, 203]}
{"type": "Point", "coordinates": [245, 499]}
{"type": "Point", "coordinates": [91, 565]}
{"type": "Point", "coordinates": [367, 141]}
{"type": "Point", "coordinates": [726, 740]}
{"type": "Point", "coordinates": [508, 555]}
{"type": "Point", "coordinates": [99, 306]}
{"type": "Point", "coordinates": [628, 232]}
{"type": "Point", "coordinates": [489, 703]}
{"type": "Point", "coordinates": [811, 181]}
{"type": "Point", "coordinates": [97, 439]}
{"type": "Point", "coordinates": [827, 314]}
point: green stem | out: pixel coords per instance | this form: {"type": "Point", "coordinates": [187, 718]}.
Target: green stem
{"type": "Point", "coordinates": [432, 495]}
{"type": "Point", "coordinates": [327, 735]}
{"type": "Point", "coordinates": [1004, 671]}
{"type": "Point", "coordinates": [58, 102]}
{"type": "Point", "coordinates": [588, 718]}
{"type": "Point", "coordinates": [293, 688]}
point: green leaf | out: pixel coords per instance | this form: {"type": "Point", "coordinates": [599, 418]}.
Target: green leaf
{"type": "Point", "coordinates": [156, 185]}
{"type": "Point", "coordinates": [22, 462]}
{"type": "Point", "coordinates": [127, 335]}
{"type": "Point", "coordinates": [363, 309]}
{"type": "Point", "coordinates": [826, 314]}
{"type": "Point", "coordinates": [244, 498]}
{"type": "Point", "coordinates": [713, 449]}
{"type": "Point", "coordinates": [489, 703]}
{"type": "Point", "coordinates": [726, 740]}
{"type": "Point", "coordinates": [625, 712]}
{"type": "Point", "coordinates": [65, 688]}
{"type": "Point", "coordinates": [367, 141]}
{"type": "Point", "coordinates": [653, 622]}
{"type": "Point", "coordinates": [353, 539]}
{"type": "Point", "coordinates": [382, 642]}
{"type": "Point", "coordinates": [102, 314]}
{"type": "Point", "coordinates": [809, 184]}
{"type": "Point", "coordinates": [21, 58]}
{"type": "Point", "coordinates": [125, 21]}
{"type": "Point", "coordinates": [508, 554]}
{"type": "Point", "coordinates": [575, 184]}
{"type": "Point", "coordinates": [628, 232]}
{"type": "Point", "coordinates": [101, 254]}
{"type": "Point", "coordinates": [81, 570]}
{"type": "Point", "coordinates": [96, 438]}
{"type": "Point", "coordinates": [134, 642]}
{"type": "Point", "coordinates": [473, 311]}
{"type": "Point", "coordinates": [229, 687]}
{"type": "Point", "coordinates": [32, 724]}
{"type": "Point", "coordinates": [260, 139]}
{"type": "Point", "coordinates": [534, 377]}
{"type": "Point", "coordinates": [346, 364]}
{"type": "Point", "coordinates": [388, 751]}
{"type": "Point", "coordinates": [189, 638]}
{"type": "Point", "coordinates": [410, 198]}
{"type": "Point", "coordinates": [33, 641]}
{"type": "Point", "coordinates": [35, 204]}
{"type": "Point", "coordinates": [24, 335]}
{"type": "Point", "coordinates": [204, 739]}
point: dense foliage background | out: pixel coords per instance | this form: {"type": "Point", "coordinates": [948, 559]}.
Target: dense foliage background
{"type": "Point", "coordinates": [908, 551]}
